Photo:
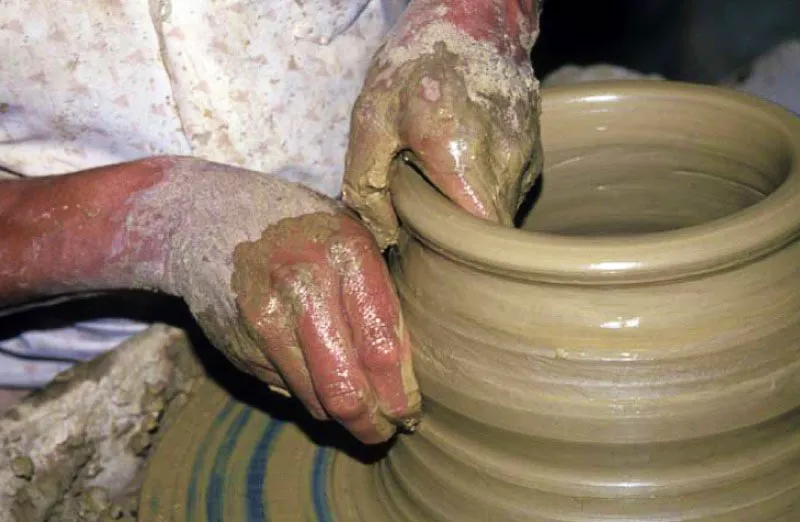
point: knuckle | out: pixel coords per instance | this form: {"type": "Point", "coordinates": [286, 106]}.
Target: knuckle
{"type": "Point", "coordinates": [348, 252]}
{"type": "Point", "coordinates": [344, 403]}
{"type": "Point", "coordinates": [357, 240]}
{"type": "Point", "coordinates": [286, 273]}
{"type": "Point", "coordinates": [381, 356]}
{"type": "Point", "coordinates": [296, 278]}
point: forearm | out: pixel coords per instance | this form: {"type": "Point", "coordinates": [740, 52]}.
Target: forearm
{"type": "Point", "coordinates": [66, 234]}
{"type": "Point", "coordinates": [142, 225]}
{"type": "Point", "coordinates": [509, 26]}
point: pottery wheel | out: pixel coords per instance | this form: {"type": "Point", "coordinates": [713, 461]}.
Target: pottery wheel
{"type": "Point", "coordinates": [225, 460]}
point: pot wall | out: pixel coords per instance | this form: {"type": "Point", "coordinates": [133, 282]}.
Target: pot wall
{"type": "Point", "coordinates": [661, 383]}
{"type": "Point", "coordinates": [607, 363]}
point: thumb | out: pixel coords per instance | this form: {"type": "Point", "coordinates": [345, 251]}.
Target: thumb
{"type": "Point", "coordinates": [365, 189]}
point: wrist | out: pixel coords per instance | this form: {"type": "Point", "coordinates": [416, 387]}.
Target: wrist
{"type": "Point", "coordinates": [510, 27]}
{"type": "Point", "coordinates": [217, 208]}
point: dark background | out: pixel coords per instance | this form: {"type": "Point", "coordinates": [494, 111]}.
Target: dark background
{"type": "Point", "coordinates": [707, 41]}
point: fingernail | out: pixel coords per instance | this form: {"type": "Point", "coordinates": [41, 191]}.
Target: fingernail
{"type": "Point", "coordinates": [279, 390]}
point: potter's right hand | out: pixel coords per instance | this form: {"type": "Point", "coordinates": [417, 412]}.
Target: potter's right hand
{"type": "Point", "coordinates": [453, 85]}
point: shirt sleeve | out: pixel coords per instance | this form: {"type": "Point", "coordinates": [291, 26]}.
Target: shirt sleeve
{"type": "Point", "coordinates": [324, 20]}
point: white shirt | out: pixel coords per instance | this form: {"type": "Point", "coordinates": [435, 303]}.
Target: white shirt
{"type": "Point", "coordinates": [263, 84]}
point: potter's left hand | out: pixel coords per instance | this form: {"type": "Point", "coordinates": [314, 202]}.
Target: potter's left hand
{"type": "Point", "coordinates": [318, 301]}
{"type": "Point", "coordinates": [454, 86]}
{"type": "Point", "coordinates": [285, 283]}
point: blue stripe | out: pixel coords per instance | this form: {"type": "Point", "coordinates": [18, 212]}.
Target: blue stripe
{"type": "Point", "coordinates": [155, 503]}
{"type": "Point", "coordinates": [215, 496]}
{"type": "Point", "coordinates": [319, 485]}
{"type": "Point", "coordinates": [257, 474]}
{"type": "Point", "coordinates": [197, 467]}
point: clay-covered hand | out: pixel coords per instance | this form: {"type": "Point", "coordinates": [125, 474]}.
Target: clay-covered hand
{"type": "Point", "coordinates": [454, 88]}
{"type": "Point", "coordinates": [292, 289]}
{"type": "Point", "coordinates": [315, 297]}
{"type": "Point", "coordinates": [283, 281]}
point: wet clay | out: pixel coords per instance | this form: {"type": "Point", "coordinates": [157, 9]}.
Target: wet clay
{"type": "Point", "coordinates": [72, 453]}
{"type": "Point", "coordinates": [635, 364]}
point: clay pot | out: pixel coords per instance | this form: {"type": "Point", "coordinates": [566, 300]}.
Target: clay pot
{"type": "Point", "coordinates": [630, 354]}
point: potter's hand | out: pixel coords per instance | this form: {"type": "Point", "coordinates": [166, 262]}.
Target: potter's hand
{"type": "Point", "coordinates": [453, 85]}
{"type": "Point", "coordinates": [316, 298]}
{"type": "Point", "coordinates": [290, 288]}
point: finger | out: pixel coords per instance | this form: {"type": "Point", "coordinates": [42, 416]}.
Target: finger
{"type": "Point", "coordinates": [371, 150]}
{"type": "Point", "coordinates": [373, 313]}
{"type": "Point", "coordinates": [283, 350]}
{"type": "Point", "coordinates": [341, 386]}
{"type": "Point", "coordinates": [447, 163]}
{"type": "Point", "coordinates": [451, 141]}
{"type": "Point", "coordinates": [448, 145]}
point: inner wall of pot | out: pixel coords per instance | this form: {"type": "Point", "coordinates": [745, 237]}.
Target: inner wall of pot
{"type": "Point", "coordinates": [651, 168]}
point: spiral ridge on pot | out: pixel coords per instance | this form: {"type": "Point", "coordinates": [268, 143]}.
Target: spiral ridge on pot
{"type": "Point", "coordinates": [662, 385]}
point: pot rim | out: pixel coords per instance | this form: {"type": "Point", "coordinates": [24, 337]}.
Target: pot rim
{"type": "Point", "coordinates": [720, 244]}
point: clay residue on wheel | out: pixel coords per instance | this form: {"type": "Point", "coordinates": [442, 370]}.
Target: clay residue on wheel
{"type": "Point", "coordinates": [76, 450]}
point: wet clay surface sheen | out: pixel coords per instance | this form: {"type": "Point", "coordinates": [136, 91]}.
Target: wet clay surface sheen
{"type": "Point", "coordinates": [630, 354]}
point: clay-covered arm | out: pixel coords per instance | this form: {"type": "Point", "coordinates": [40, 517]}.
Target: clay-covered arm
{"type": "Point", "coordinates": [454, 87]}
{"type": "Point", "coordinates": [509, 26]}
{"type": "Point", "coordinates": [65, 234]}
{"type": "Point", "coordinates": [289, 286]}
